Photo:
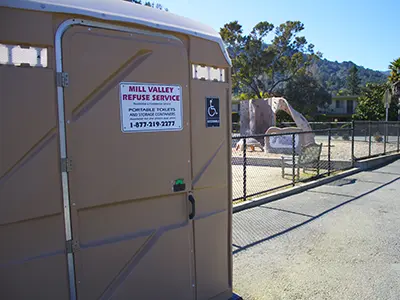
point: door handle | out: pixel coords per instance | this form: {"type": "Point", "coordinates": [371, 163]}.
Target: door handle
{"type": "Point", "coordinates": [193, 202]}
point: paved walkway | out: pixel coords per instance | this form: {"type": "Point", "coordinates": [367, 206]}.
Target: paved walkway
{"type": "Point", "coordinates": [337, 241]}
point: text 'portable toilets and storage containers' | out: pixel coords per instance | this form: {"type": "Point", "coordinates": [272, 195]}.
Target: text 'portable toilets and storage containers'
{"type": "Point", "coordinates": [114, 153]}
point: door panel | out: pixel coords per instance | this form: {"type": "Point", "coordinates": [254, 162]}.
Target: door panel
{"type": "Point", "coordinates": [43, 278]}
{"type": "Point", "coordinates": [210, 188]}
{"type": "Point", "coordinates": [32, 256]}
{"type": "Point", "coordinates": [32, 259]}
{"type": "Point", "coordinates": [161, 273]}
{"type": "Point", "coordinates": [212, 141]}
{"type": "Point", "coordinates": [212, 243]}
{"type": "Point", "coordinates": [92, 107]}
{"type": "Point", "coordinates": [133, 230]}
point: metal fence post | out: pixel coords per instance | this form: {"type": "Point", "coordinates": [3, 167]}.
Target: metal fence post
{"type": "Point", "coordinates": [329, 151]}
{"type": "Point", "coordinates": [352, 142]}
{"type": "Point", "coordinates": [398, 137]}
{"type": "Point", "coordinates": [384, 139]}
{"type": "Point", "coordinates": [370, 138]}
{"type": "Point", "coordinates": [294, 159]}
{"type": "Point", "coordinates": [244, 168]}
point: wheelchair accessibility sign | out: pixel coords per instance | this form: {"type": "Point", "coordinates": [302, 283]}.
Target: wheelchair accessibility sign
{"type": "Point", "coordinates": [212, 112]}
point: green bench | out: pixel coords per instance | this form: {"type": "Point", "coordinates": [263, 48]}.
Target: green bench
{"type": "Point", "coordinates": [309, 158]}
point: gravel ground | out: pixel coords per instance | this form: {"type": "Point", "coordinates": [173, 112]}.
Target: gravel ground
{"type": "Point", "coordinates": [337, 241]}
{"type": "Point", "coordinates": [258, 179]}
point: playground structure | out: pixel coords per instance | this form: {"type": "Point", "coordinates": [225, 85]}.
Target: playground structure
{"type": "Point", "coordinates": [258, 116]}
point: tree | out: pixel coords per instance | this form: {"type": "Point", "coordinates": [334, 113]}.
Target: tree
{"type": "Point", "coordinates": [148, 3]}
{"type": "Point", "coordinates": [394, 68]}
{"type": "Point", "coordinates": [370, 105]}
{"type": "Point", "coordinates": [250, 57]}
{"type": "Point", "coordinates": [333, 75]}
{"type": "Point", "coordinates": [259, 69]}
{"type": "Point", "coordinates": [353, 81]}
{"type": "Point", "coordinates": [305, 94]}
{"type": "Point", "coordinates": [394, 82]}
{"type": "Point", "coordinates": [343, 92]}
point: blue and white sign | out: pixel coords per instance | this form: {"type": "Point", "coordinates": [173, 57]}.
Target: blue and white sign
{"type": "Point", "coordinates": [212, 112]}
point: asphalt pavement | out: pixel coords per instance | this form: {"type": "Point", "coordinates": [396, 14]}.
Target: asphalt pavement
{"type": "Point", "coordinates": [336, 241]}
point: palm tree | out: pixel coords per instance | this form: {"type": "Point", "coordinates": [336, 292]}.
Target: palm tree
{"type": "Point", "coordinates": [394, 68]}
{"type": "Point", "coordinates": [394, 80]}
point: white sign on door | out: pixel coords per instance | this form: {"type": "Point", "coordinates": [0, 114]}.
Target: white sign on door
{"type": "Point", "coordinates": [149, 107]}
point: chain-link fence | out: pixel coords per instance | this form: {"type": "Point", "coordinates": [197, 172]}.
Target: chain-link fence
{"type": "Point", "coordinates": [319, 125]}
{"type": "Point", "coordinates": [265, 163]}
{"type": "Point", "coordinates": [375, 138]}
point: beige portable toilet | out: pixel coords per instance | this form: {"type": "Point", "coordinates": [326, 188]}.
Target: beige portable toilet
{"type": "Point", "coordinates": [114, 153]}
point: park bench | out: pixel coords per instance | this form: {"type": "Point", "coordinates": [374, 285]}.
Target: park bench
{"type": "Point", "coordinates": [309, 158]}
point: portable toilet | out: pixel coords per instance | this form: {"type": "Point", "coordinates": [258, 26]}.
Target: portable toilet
{"type": "Point", "coordinates": [114, 153]}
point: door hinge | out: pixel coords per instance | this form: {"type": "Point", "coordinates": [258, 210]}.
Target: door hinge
{"type": "Point", "coordinates": [71, 246]}
{"type": "Point", "coordinates": [62, 79]}
{"type": "Point", "coordinates": [66, 165]}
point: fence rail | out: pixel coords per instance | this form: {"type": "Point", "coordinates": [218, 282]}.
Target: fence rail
{"type": "Point", "coordinates": [269, 162]}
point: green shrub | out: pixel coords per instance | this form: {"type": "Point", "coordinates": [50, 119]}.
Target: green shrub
{"type": "Point", "coordinates": [378, 138]}
{"type": "Point", "coordinates": [235, 127]}
{"type": "Point", "coordinates": [321, 118]}
{"type": "Point", "coordinates": [235, 117]}
{"type": "Point", "coordinates": [347, 125]}
{"type": "Point", "coordinates": [282, 116]}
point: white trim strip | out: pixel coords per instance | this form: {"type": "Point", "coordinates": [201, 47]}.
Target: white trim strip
{"type": "Point", "coordinates": [63, 154]}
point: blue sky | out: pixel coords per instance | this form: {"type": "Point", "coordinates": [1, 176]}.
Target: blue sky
{"type": "Point", "coordinates": [366, 32]}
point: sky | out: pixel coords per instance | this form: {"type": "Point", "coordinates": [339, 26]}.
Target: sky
{"type": "Point", "coordinates": [366, 32]}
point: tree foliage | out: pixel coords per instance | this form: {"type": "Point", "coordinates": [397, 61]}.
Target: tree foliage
{"type": "Point", "coordinates": [260, 68]}
{"type": "Point", "coordinates": [305, 94]}
{"type": "Point", "coordinates": [394, 68]}
{"type": "Point", "coordinates": [333, 75]}
{"type": "Point", "coordinates": [353, 81]}
{"type": "Point", "coordinates": [371, 106]}
{"type": "Point", "coordinates": [394, 79]}
{"type": "Point", "coordinates": [148, 3]}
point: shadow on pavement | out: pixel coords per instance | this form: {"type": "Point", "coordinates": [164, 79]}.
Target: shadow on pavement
{"type": "Point", "coordinates": [311, 218]}
{"type": "Point", "coordinates": [387, 173]}
{"type": "Point", "coordinates": [343, 182]}
{"type": "Point", "coordinates": [330, 193]}
{"type": "Point", "coordinates": [288, 211]}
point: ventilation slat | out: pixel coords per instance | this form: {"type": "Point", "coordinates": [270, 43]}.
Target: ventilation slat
{"type": "Point", "coordinates": [208, 73]}
{"type": "Point", "coordinates": [16, 55]}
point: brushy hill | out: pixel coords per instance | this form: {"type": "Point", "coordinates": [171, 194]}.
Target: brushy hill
{"type": "Point", "coordinates": [332, 74]}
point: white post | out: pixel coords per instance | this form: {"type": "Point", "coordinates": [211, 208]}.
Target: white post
{"type": "Point", "coordinates": [387, 97]}
{"type": "Point", "coordinates": [387, 111]}
{"type": "Point", "coordinates": [398, 110]}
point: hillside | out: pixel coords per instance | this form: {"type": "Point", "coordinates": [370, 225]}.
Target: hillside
{"type": "Point", "coordinates": [332, 74]}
